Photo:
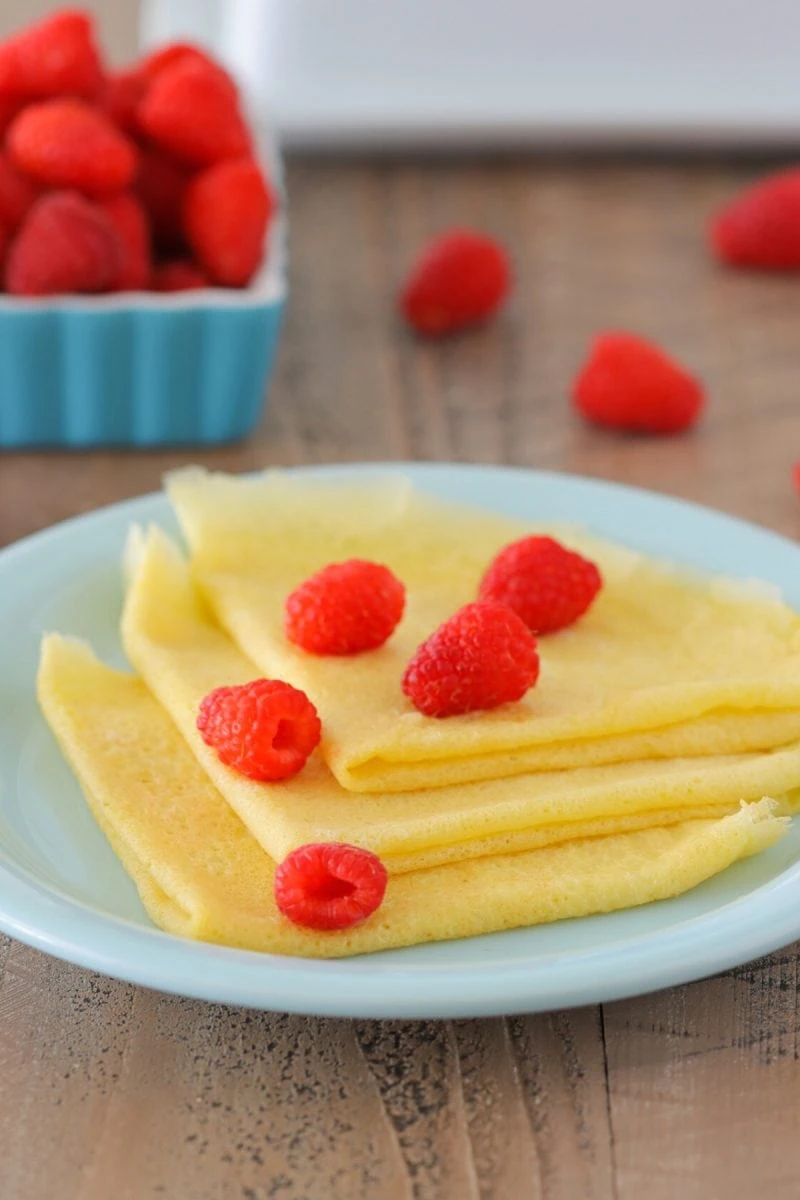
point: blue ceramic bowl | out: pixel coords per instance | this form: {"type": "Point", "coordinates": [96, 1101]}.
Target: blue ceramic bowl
{"type": "Point", "coordinates": [138, 368]}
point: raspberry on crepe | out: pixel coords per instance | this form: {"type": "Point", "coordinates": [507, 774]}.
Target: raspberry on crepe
{"type": "Point", "coordinates": [345, 608]}
{"type": "Point", "coordinates": [330, 886]}
{"type": "Point", "coordinates": [546, 584]}
{"type": "Point", "coordinates": [480, 658]}
{"type": "Point", "coordinates": [265, 729]}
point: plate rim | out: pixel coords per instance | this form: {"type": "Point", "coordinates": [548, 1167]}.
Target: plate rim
{"type": "Point", "coordinates": [53, 921]}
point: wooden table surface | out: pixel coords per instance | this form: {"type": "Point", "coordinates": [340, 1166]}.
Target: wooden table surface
{"type": "Point", "coordinates": [108, 1090]}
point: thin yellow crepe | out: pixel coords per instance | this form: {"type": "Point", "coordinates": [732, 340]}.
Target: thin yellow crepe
{"type": "Point", "coordinates": [200, 874]}
{"type": "Point", "coordinates": [663, 666]}
{"type": "Point", "coordinates": [180, 652]}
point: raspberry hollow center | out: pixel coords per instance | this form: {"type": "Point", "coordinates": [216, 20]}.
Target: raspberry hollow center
{"type": "Point", "coordinates": [285, 736]}
{"type": "Point", "coordinates": [330, 888]}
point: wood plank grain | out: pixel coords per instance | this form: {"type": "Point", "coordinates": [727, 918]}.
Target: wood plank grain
{"type": "Point", "coordinates": [416, 1067]}
{"type": "Point", "coordinates": [63, 1040]}
{"type": "Point", "coordinates": [703, 1081]}
{"type": "Point", "coordinates": [561, 1062]}
{"type": "Point", "coordinates": [225, 1101]}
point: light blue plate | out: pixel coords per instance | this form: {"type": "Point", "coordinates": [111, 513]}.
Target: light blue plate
{"type": "Point", "coordinates": [62, 889]}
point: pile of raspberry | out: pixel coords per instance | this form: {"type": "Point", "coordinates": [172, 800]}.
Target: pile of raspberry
{"type": "Point", "coordinates": [140, 179]}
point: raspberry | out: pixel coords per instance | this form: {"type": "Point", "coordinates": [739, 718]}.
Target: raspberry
{"type": "Point", "coordinates": [65, 244]}
{"type": "Point", "coordinates": [265, 729]}
{"type": "Point", "coordinates": [161, 186]}
{"type": "Point", "coordinates": [226, 214]}
{"type": "Point", "coordinates": [761, 226]}
{"type": "Point", "coordinates": [345, 608]}
{"type": "Point", "coordinates": [481, 657]}
{"type": "Point", "coordinates": [67, 144]}
{"type": "Point", "coordinates": [128, 218]}
{"type": "Point", "coordinates": [548, 586]}
{"type": "Point", "coordinates": [631, 384]}
{"type": "Point", "coordinates": [123, 93]}
{"type": "Point", "coordinates": [461, 278]}
{"type": "Point", "coordinates": [191, 112]}
{"type": "Point", "coordinates": [178, 275]}
{"type": "Point", "coordinates": [55, 57]}
{"type": "Point", "coordinates": [17, 194]}
{"type": "Point", "coordinates": [330, 886]}
{"type": "Point", "coordinates": [9, 107]}
{"type": "Point", "coordinates": [796, 476]}
{"type": "Point", "coordinates": [154, 64]}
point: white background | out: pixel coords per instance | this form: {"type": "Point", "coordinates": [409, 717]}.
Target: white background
{"type": "Point", "coordinates": [510, 70]}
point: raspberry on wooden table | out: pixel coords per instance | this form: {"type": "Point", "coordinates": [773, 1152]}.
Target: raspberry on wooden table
{"type": "Point", "coordinates": [192, 112]}
{"type": "Point", "coordinates": [330, 886]}
{"type": "Point", "coordinates": [68, 144]}
{"type": "Point", "coordinates": [55, 57]}
{"type": "Point", "coordinates": [631, 384]}
{"type": "Point", "coordinates": [265, 729]}
{"type": "Point", "coordinates": [226, 214]}
{"type": "Point", "coordinates": [760, 227]}
{"type": "Point", "coordinates": [65, 244]}
{"type": "Point", "coordinates": [480, 658]}
{"type": "Point", "coordinates": [547, 585]}
{"type": "Point", "coordinates": [461, 278]}
{"type": "Point", "coordinates": [345, 608]}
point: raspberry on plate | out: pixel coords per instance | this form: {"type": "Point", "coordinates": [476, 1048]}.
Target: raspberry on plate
{"type": "Point", "coordinates": [461, 278]}
{"type": "Point", "coordinates": [761, 226]}
{"type": "Point", "coordinates": [128, 218]}
{"type": "Point", "coordinates": [630, 384]}
{"type": "Point", "coordinates": [480, 658]}
{"type": "Point", "coordinates": [226, 214]}
{"type": "Point", "coordinates": [68, 144]}
{"type": "Point", "coordinates": [178, 275]}
{"type": "Point", "coordinates": [345, 608]}
{"type": "Point", "coordinates": [547, 585]}
{"type": "Point", "coordinates": [330, 886]}
{"type": "Point", "coordinates": [65, 244]}
{"type": "Point", "coordinates": [55, 57]}
{"type": "Point", "coordinates": [265, 729]}
{"type": "Point", "coordinates": [191, 111]}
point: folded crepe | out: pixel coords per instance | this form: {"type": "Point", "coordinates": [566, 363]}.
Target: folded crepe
{"type": "Point", "coordinates": [201, 874]}
{"type": "Point", "coordinates": [663, 666]}
{"type": "Point", "coordinates": [181, 653]}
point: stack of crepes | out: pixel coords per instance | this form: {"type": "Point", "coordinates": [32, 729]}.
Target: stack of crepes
{"type": "Point", "coordinates": [661, 744]}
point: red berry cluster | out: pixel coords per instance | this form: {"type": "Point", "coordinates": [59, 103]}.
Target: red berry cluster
{"type": "Point", "coordinates": [114, 181]}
